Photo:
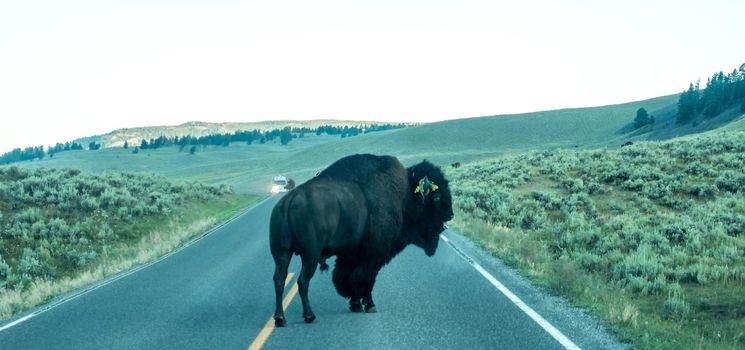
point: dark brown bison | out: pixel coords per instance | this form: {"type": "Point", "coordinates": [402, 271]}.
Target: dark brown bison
{"type": "Point", "coordinates": [627, 143]}
{"type": "Point", "coordinates": [363, 209]}
{"type": "Point", "coordinates": [455, 165]}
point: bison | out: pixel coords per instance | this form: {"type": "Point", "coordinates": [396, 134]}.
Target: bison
{"type": "Point", "coordinates": [363, 209]}
{"type": "Point", "coordinates": [455, 165]}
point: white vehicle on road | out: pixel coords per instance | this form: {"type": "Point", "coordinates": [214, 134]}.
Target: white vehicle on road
{"type": "Point", "coordinates": [280, 184]}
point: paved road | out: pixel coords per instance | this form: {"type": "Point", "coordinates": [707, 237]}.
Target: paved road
{"type": "Point", "coordinates": [217, 294]}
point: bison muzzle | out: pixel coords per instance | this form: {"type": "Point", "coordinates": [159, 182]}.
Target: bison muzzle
{"type": "Point", "coordinates": [363, 209]}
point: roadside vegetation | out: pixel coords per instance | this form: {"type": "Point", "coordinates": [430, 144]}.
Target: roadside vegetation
{"type": "Point", "coordinates": [62, 229]}
{"type": "Point", "coordinates": [650, 237]}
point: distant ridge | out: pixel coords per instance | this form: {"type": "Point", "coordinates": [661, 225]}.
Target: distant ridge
{"type": "Point", "coordinates": [117, 137]}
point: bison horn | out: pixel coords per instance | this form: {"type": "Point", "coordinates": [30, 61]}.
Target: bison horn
{"type": "Point", "coordinates": [425, 186]}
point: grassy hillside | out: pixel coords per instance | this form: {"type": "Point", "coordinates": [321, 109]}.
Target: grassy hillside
{"type": "Point", "coordinates": [250, 168]}
{"type": "Point", "coordinates": [737, 125]}
{"type": "Point", "coordinates": [61, 229]}
{"type": "Point", "coordinates": [247, 168]}
{"type": "Point", "coordinates": [475, 138]}
{"type": "Point", "coordinates": [651, 237]}
{"type": "Point", "coordinates": [667, 127]}
{"type": "Point", "coordinates": [117, 137]}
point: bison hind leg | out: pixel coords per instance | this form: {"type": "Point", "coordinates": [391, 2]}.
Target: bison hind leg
{"type": "Point", "coordinates": [282, 261]}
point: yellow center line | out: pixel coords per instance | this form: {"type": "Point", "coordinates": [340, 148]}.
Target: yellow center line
{"type": "Point", "coordinates": [269, 326]}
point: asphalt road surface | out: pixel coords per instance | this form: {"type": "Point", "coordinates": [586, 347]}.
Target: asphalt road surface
{"type": "Point", "coordinates": [217, 293]}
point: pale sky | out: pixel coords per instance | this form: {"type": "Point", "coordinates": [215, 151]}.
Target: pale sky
{"type": "Point", "coordinates": [76, 68]}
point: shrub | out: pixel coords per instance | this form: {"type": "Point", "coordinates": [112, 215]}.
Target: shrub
{"type": "Point", "coordinates": [675, 307]}
{"type": "Point", "coordinates": [57, 221]}
{"type": "Point", "coordinates": [31, 265]}
{"type": "Point", "coordinates": [702, 190]}
{"type": "Point", "coordinates": [644, 216]}
{"type": "Point", "coordinates": [5, 271]}
{"type": "Point", "coordinates": [730, 181]}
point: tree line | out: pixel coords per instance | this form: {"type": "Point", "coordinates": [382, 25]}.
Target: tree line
{"type": "Point", "coordinates": [31, 153]}
{"type": "Point", "coordinates": [722, 92]}
{"type": "Point", "coordinates": [284, 135]}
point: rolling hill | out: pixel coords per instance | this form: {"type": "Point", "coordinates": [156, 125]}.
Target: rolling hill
{"type": "Point", "coordinates": [249, 167]}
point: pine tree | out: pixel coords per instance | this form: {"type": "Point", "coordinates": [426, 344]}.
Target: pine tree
{"type": "Point", "coordinates": [285, 136]}
{"type": "Point", "coordinates": [687, 103]}
{"type": "Point", "coordinates": [642, 118]}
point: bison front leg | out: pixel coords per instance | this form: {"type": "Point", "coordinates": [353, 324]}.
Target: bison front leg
{"type": "Point", "coordinates": [367, 301]}
{"type": "Point", "coordinates": [355, 304]}
{"type": "Point", "coordinates": [344, 286]}
{"type": "Point", "coordinates": [364, 281]}
{"type": "Point", "coordinates": [306, 273]}
{"type": "Point", "coordinates": [281, 261]}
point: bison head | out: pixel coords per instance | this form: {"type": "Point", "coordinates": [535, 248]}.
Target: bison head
{"type": "Point", "coordinates": [432, 205]}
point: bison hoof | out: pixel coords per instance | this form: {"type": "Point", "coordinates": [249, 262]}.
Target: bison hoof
{"type": "Point", "coordinates": [371, 309]}
{"type": "Point", "coordinates": [309, 319]}
{"type": "Point", "coordinates": [355, 307]}
{"type": "Point", "coordinates": [280, 322]}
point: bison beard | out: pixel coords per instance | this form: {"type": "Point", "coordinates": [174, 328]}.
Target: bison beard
{"type": "Point", "coordinates": [363, 209]}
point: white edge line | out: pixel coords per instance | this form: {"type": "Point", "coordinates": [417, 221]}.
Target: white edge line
{"type": "Point", "coordinates": [548, 327]}
{"type": "Point", "coordinates": [15, 322]}
{"type": "Point", "coordinates": [120, 275]}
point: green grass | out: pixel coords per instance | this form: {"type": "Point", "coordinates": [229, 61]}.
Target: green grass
{"type": "Point", "coordinates": [248, 168]}
{"type": "Point", "coordinates": [650, 237]}
{"type": "Point", "coordinates": [737, 125]}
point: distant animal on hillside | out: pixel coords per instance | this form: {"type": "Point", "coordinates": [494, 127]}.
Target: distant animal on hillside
{"type": "Point", "coordinates": [363, 209]}
{"type": "Point", "coordinates": [455, 165]}
{"type": "Point", "coordinates": [627, 143]}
